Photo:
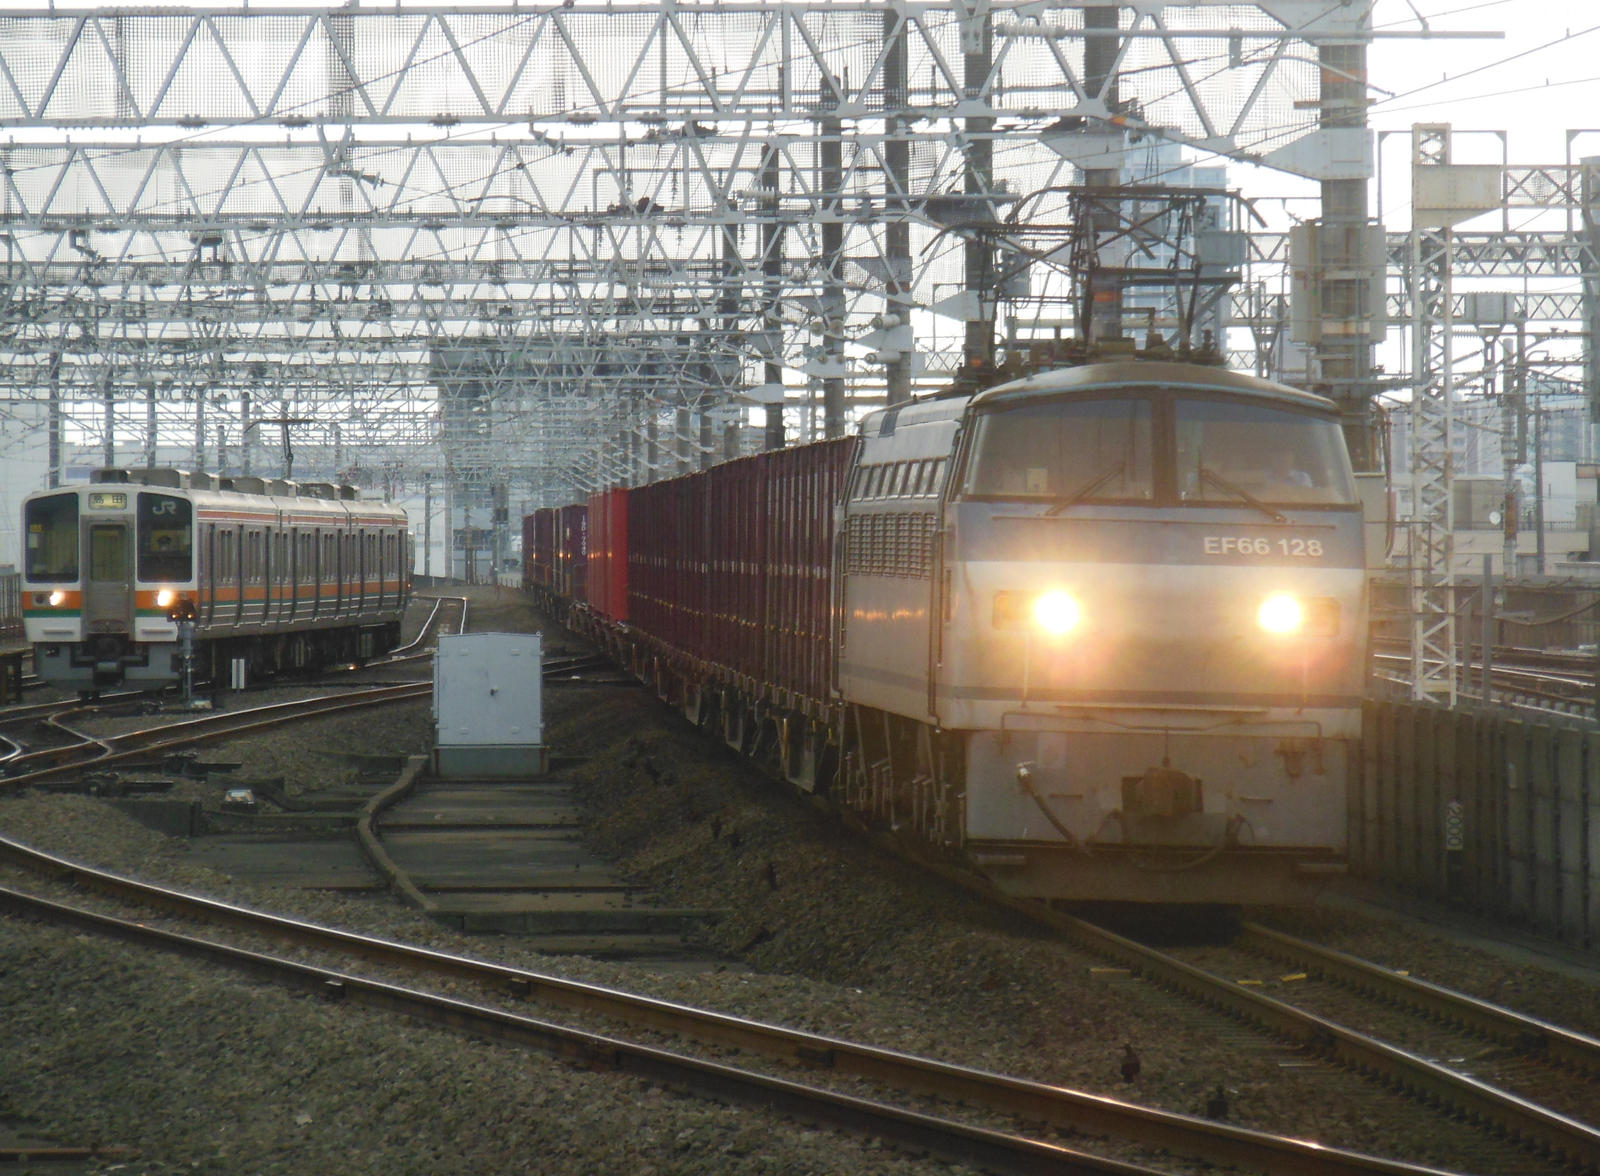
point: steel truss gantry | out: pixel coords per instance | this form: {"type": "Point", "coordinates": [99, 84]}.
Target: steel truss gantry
{"type": "Point", "coordinates": [1468, 288]}
{"type": "Point", "coordinates": [1432, 531]}
{"type": "Point", "coordinates": [297, 195]}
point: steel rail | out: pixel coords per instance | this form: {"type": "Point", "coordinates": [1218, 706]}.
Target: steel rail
{"type": "Point", "coordinates": [1055, 1105]}
{"type": "Point", "coordinates": [1526, 1034]}
{"type": "Point", "coordinates": [433, 617]}
{"type": "Point", "coordinates": [1508, 683]}
{"type": "Point", "coordinates": [18, 1154]}
{"type": "Point", "coordinates": [1577, 1144]}
{"type": "Point", "coordinates": [400, 654]}
{"type": "Point", "coordinates": [115, 749]}
{"type": "Point", "coordinates": [30, 711]}
{"type": "Point", "coordinates": [957, 1141]}
{"type": "Point", "coordinates": [214, 726]}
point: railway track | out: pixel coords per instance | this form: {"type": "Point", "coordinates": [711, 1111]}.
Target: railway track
{"type": "Point", "coordinates": [1572, 1058]}
{"type": "Point", "coordinates": [846, 1061]}
{"type": "Point", "coordinates": [72, 750]}
{"type": "Point", "coordinates": [1554, 1073]}
{"type": "Point", "coordinates": [1004, 1136]}
{"type": "Point", "coordinates": [1530, 678]}
{"type": "Point", "coordinates": [100, 751]}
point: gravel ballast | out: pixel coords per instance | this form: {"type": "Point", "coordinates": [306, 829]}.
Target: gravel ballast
{"type": "Point", "coordinates": [203, 1072]}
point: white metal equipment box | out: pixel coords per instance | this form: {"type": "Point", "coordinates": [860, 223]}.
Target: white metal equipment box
{"type": "Point", "coordinates": [488, 709]}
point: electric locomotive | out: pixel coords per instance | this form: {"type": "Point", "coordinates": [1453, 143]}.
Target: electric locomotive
{"type": "Point", "coordinates": [275, 573]}
{"type": "Point", "coordinates": [1103, 630]}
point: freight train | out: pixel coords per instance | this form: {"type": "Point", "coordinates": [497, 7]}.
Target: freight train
{"type": "Point", "coordinates": [1099, 633]}
{"type": "Point", "coordinates": [280, 575]}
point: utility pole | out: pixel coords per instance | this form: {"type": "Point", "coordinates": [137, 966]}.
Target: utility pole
{"type": "Point", "coordinates": [772, 274]}
{"type": "Point", "coordinates": [896, 180]}
{"type": "Point", "coordinates": [1102, 46]}
{"type": "Point", "coordinates": [1348, 285]}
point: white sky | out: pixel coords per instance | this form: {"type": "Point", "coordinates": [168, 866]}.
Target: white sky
{"type": "Point", "coordinates": [1541, 80]}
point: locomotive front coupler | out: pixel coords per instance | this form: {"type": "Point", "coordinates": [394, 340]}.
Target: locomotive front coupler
{"type": "Point", "coordinates": [1163, 791]}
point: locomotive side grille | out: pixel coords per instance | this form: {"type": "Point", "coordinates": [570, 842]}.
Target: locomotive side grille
{"type": "Point", "coordinates": [899, 544]}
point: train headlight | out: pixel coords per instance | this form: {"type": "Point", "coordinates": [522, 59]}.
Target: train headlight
{"type": "Point", "coordinates": [1054, 613]}
{"type": "Point", "coordinates": [1288, 615]}
{"type": "Point", "coordinates": [165, 598]}
{"type": "Point", "coordinates": [57, 598]}
{"type": "Point", "coordinates": [1281, 613]}
{"type": "Point", "coordinates": [1057, 613]}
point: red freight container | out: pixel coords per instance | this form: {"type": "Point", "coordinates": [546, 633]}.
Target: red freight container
{"type": "Point", "coordinates": [572, 552]}
{"type": "Point", "coordinates": [529, 558]}
{"type": "Point", "coordinates": [538, 548]}
{"type": "Point", "coordinates": [668, 524]}
{"type": "Point", "coordinates": [736, 555]}
{"type": "Point", "coordinates": [804, 486]}
{"type": "Point", "coordinates": [733, 566]}
{"type": "Point", "coordinates": [607, 589]}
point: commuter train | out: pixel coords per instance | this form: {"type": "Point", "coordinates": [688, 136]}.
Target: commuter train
{"type": "Point", "coordinates": [1100, 633]}
{"type": "Point", "coordinates": [280, 574]}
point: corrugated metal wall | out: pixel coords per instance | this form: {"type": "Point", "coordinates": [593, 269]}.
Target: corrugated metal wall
{"type": "Point", "coordinates": [1498, 813]}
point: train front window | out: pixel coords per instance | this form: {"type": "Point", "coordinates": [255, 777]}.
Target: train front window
{"type": "Point", "coordinates": [52, 526]}
{"type": "Point", "coordinates": [166, 537]}
{"type": "Point", "coordinates": [1064, 451]}
{"type": "Point", "coordinates": [1228, 452]}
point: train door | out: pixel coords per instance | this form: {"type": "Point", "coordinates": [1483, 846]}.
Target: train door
{"type": "Point", "coordinates": [285, 577]}
{"type": "Point", "coordinates": [273, 575]}
{"type": "Point", "coordinates": [350, 565]}
{"type": "Point", "coordinates": [233, 570]}
{"type": "Point", "coordinates": [211, 578]}
{"type": "Point", "coordinates": [292, 574]}
{"type": "Point", "coordinates": [267, 570]}
{"type": "Point", "coordinates": [108, 589]}
{"type": "Point", "coordinates": [328, 597]}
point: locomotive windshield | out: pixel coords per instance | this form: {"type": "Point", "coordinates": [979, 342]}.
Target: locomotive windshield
{"type": "Point", "coordinates": [166, 537]}
{"type": "Point", "coordinates": [52, 526]}
{"type": "Point", "coordinates": [1154, 446]}
{"type": "Point", "coordinates": [1229, 450]}
{"type": "Point", "coordinates": [1073, 450]}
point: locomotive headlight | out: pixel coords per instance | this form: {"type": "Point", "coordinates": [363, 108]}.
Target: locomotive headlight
{"type": "Point", "coordinates": [1281, 613]}
{"type": "Point", "coordinates": [1056, 613]}
{"type": "Point", "coordinates": [1288, 615]}
{"type": "Point", "coordinates": [57, 598]}
{"type": "Point", "coordinates": [165, 597]}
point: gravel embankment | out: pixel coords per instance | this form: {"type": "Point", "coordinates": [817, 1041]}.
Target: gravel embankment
{"type": "Point", "coordinates": [207, 1073]}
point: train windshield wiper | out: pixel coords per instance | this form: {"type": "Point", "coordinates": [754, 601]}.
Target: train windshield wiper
{"type": "Point", "coordinates": [1244, 496]}
{"type": "Point", "coordinates": [1088, 487]}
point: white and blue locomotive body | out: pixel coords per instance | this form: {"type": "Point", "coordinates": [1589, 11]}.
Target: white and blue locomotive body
{"type": "Point", "coordinates": [1104, 629]}
{"type": "Point", "coordinates": [278, 574]}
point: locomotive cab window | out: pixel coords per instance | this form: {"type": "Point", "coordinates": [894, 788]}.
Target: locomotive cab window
{"type": "Point", "coordinates": [165, 543]}
{"type": "Point", "coordinates": [1063, 451]}
{"type": "Point", "coordinates": [52, 526]}
{"type": "Point", "coordinates": [1228, 451]}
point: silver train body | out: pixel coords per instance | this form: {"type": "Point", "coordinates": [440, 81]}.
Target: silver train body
{"type": "Point", "coordinates": [276, 574]}
{"type": "Point", "coordinates": [1103, 632]}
